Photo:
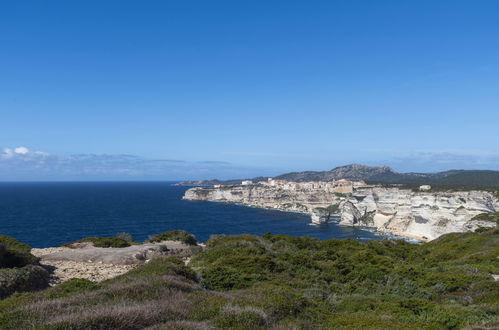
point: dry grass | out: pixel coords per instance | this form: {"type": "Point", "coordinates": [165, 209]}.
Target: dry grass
{"type": "Point", "coordinates": [154, 294]}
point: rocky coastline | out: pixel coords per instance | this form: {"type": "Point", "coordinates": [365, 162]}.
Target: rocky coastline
{"type": "Point", "coordinates": [420, 215]}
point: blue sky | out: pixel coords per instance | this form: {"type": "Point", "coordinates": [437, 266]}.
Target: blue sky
{"type": "Point", "coordinates": [241, 88]}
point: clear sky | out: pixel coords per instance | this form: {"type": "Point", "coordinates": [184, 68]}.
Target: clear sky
{"type": "Point", "coordinates": [230, 88]}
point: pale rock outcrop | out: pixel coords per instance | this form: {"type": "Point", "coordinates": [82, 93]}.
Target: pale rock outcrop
{"type": "Point", "coordinates": [423, 215]}
{"type": "Point", "coordinates": [98, 264]}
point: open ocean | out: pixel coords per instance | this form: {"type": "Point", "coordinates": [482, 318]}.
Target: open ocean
{"type": "Point", "coordinates": [50, 214]}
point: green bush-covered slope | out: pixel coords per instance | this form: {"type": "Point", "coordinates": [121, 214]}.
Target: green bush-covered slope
{"type": "Point", "coordinates": [283, 282]}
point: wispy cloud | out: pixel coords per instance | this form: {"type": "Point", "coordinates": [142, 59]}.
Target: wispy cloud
{"type": "Point", "coordinates": [23, 164]}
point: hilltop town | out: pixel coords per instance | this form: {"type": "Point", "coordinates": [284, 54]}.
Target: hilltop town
{"type": "Point", "coordinates": [341, 186]}
{"type": "Point", "coordinates": [334, 186]}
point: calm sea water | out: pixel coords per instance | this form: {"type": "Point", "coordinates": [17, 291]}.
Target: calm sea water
{"type": "Point", "coordinates": [50, 214]}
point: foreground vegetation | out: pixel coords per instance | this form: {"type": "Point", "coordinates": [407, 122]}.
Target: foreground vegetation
{"type": "Point", "coordinates": [175, 235]}
{"type": "Point", "coordinates": [281, 282]}
{"type": "Point", "coordinates": [123, 239]}
{"type": "Point", "coordinates": [19, 269]}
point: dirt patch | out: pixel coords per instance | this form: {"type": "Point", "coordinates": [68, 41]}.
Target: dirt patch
{"type": "Point", "coordinates": [99, 264]}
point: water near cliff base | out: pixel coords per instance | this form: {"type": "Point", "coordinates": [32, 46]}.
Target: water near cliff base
{"type": "Point", "coordinates": [50, 214]}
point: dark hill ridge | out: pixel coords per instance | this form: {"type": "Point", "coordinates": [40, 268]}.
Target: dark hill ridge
{"type": "Point", "coordinates": [383, 175]}
{"type": "Point", "coordinates": [354, 172]}
{"type": "Point", "coordinates": [453, 178]}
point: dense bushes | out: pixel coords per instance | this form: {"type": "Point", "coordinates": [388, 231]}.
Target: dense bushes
{"type": "Point", "coordinates": [282, 282]}
{"type": "Point", "coordinates": [175, 235]}
{"type": "Point", "coordinates": [385, 283]}
{"type": "Point", "coordinates": [19, 270]}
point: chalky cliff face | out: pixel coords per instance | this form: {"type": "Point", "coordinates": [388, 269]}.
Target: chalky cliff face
{"type": "Point", "coordinates": [420, 215]}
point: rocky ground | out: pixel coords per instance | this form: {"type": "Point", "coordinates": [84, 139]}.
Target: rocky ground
{"type": "Point", "coordinates": [99, 264]}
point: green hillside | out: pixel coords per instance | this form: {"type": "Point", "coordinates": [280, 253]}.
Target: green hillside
{"type": "Point", "coordinates": [284, 282]}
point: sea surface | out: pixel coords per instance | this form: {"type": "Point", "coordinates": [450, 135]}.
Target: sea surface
{"type": "Point", "coordinates": [50, 214]}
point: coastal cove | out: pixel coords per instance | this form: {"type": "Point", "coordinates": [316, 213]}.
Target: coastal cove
{"type": "Point", "coordinates": [51, 214]}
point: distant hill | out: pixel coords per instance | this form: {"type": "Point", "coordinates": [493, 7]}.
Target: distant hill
{"type": "Point", "coordinates": [454, 178]}
{"type": "Point", "coordinates": [381, 175]}
{"type": "Point", "coordinates": [354, 172]}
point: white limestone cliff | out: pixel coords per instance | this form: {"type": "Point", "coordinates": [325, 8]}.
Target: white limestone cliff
{"type": "Point", "coordinates": [419, 215]}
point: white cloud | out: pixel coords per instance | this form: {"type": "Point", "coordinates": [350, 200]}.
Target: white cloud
{"type": "Point", "coordinates": [21, 153]}
{"type": "Point", "coordinates": [7, 153]}
{"type": "Point", "coordinates": [21, 150]}
{"type": "Point", "coordinates": [22, 164]}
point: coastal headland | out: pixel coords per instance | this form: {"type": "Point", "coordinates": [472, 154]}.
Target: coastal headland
{"type": "Point", "coordinates": [421, 213]}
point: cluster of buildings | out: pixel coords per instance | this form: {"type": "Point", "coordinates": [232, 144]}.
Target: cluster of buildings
{"type": "Point", "coordinates": [335, 186]}
{"type": "Point", "coordinates": [339, 186]}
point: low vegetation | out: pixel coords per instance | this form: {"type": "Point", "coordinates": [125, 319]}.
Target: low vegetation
{"type": "Point", "coordinates": [284, 282]}
{"type": "Point", "coordinates": [175, 235]}
{"type": "Point", "coordinates": [104, 242]}
{"type": "Point", "coordinates": [331, 209]}
{"type": "Point", "coordinates": [14, 253]}
{"type": "Point", "coordinates": [123, 239]}
{"type": "Point", "coordinates": [19, 269]}
{"type": "Point", "coordinates": [444, 284]}
{"type": "Point", "coordinates": [490, 217]}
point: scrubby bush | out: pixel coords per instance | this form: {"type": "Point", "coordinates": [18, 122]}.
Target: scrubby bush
{"type": "Point", "coordinates": [70, 287]}
{"type": "Point", "coordinates": [14, 253]}
{"type": "Point", "coordinates": [20, 279]}
{"type": "Point", "coordinates": [103, 242]}
{"type": "Point", "coordinates": [126, 237]}
{"type": "Point", "coordinates": [235, 317]}
{"type": "Point", "coordinates": [19, 269]}
{"type": "Point", "coordinates": [175, 235]}
{"type": "Point", "coordinates": [492, 217]}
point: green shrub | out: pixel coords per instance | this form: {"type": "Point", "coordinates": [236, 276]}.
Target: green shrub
{"type": "Point", "coordinates": [227, 278]}
{"type": "Point", "coordinates": [235, 317]}
{"type": "Point", "coordinates": [416, 305]}
{"type": "Point", "coordinates": [279, 301]}
{"type": "Point", "coordinates": [160, 266]}
{"type": "Point", "coordinates": [14, 253]}
{"type": "Point", "coordinates": [492, 217]}
{"type": "Point", "coordinates": [357, 303]}
{"type": "Point", "coordinates": [103, 242]}
{"type": "Point", "coordinates": [20, 279]}
{"type": "Point", "coordinates": [13, 244]}
{"type": "Point", "coordinates": [71, 287]}
{"type": "Point", "coordinates": [483, 229]}
{"type": "Point", "coordinates": [175, 235]}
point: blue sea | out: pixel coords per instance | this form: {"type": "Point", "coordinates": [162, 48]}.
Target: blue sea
{"type": "Point", "coordinates": [50, 214]}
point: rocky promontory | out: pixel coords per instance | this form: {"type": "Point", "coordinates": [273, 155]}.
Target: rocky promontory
{"type": "Point", "coordinates": [423, 215]}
